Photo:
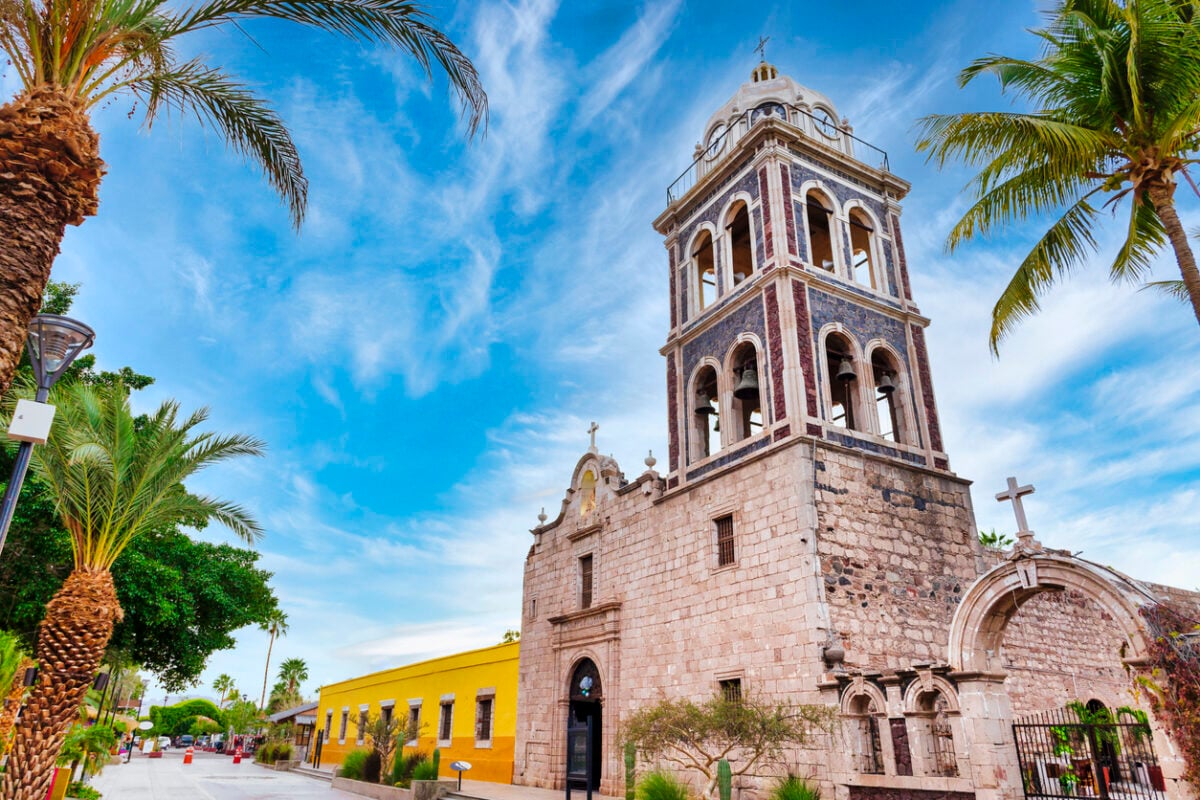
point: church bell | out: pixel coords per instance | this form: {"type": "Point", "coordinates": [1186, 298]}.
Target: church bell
{"type": "Point", "coordinates": [747, 387]}
{"type": "Point", "coordinates": [704, 405]}
{"type": "Point", "coordinates": [886, 384]}
{"type": "Point", "coordinates": [845, 372]}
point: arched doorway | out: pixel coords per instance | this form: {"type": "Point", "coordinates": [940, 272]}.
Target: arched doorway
{"type": "Point", "coordinates": [976, 644]}
{"type": "Point", "coordinates": [585, 723]}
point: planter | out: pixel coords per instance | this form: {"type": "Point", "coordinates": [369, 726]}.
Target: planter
{"type": "Point", "coordinates": [432, 790]}
{"type": "Point", "coordinates": [378, 791]}
{"type": "Point", "coordinates": [155, 754]}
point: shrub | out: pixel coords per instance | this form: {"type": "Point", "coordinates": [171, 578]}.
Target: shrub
{"type": "Point", "coordinates": [660, 785]}
{"type": "Point", "coordinates": [283, 751]}
{"type": "Point", "coordinates": [372, 766]}
{"type": "Point", "coordinates": [352, 765]}
{"type": "Point", "coordinates": [82, 791]}
{"type": "Point", "coordinates": [425, 771]}
{"type": "Point", "coordinates": [795, 788]}
{"type": "Point", "coordinates": [404, 765]}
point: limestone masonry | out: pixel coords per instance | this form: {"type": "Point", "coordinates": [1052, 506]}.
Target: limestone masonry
{"type": "Point", "coordinates": [806, 538]}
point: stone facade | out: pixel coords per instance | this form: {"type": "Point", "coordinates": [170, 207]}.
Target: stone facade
{"type": "Point", "coordinates": [803, 552]}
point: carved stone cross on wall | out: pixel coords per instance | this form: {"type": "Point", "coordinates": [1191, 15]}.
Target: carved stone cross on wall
{"type": "Point", "coordinates": [1015, 493]}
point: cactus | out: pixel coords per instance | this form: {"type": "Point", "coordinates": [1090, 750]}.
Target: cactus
{"type": "Point", "coordinates": [630, 761]}
{"type": "Point", "coordinates": [437, 760]}
{"type": "Point", "coordinates": [724, 779]}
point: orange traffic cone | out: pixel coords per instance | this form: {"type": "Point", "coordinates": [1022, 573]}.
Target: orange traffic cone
{"type": "Point", "coordinates": [237, 756]}
{"type": "Point", "coordinates": [187, 756]}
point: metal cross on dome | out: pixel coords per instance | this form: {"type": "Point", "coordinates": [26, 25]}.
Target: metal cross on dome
{"type": "Point", "coordinates": [1015, 493]}
{"type": "Point", "coordinates": [592, 432]}
{"type": "Point", "coordinates": [761, 49]}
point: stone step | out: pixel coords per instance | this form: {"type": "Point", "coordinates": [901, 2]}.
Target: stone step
{"type": "Point", "coordinates": [313, 773]}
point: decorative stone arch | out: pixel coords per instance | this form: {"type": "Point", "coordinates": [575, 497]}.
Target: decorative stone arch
{"type": "Point", "coordinates": [828, 370]}
{"type": "Point", "coordinates": [583, 697]}
{"type": "Point", "coordinates": [835, 236]}
{"type": "Point", "coordinates": [864, 711]}
{"type": "Point", "coordinates": [695, 299]}
{"type": "Point", "coordinates": [734, 431]}
{"type": "Point", "coordinates": [857, 689]}
{"type": "Point", "coordinates": [605, 479]}
{"type": "Point", "coordinates": [907, 415]}
{"type": "Point", "coordinates": [926, 684]}
{"type": "Point", "coordinates": [977, 636]}
{"type": "Point", "coordinates": [977, 630]}
{"type": "Point", "coordinates": [725, 248]}
{"type": "Point", "coordinates": [695, 429]}
{"type": "Point", "coordinates": [877, 240]}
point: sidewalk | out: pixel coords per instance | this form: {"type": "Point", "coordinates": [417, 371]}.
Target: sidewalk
{"type": "Point", "coordinates": [504, 791]}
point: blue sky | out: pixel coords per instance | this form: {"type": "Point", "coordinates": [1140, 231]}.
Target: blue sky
{"type": "Point", "coordinates": [424, 357]}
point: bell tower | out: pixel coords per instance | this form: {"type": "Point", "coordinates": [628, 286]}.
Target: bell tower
{"type": "Point", "coordinates": [791, 309]}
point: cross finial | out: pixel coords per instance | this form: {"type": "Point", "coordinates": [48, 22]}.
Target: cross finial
{"type": "Point", "coordinates": [1015, 493]}
{"type": "Point", "coordinates": [592, 432]}
{"type": "Point", "coordinates": [761, 49]}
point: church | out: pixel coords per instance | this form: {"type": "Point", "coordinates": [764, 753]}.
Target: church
{"type": "Point", "coordinates": [807, 538]}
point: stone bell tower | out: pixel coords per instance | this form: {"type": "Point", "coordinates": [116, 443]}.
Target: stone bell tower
{"type": "Point", "coordinates": [806, 525]}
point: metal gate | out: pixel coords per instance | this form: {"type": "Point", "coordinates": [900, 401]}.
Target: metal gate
{"type": "Point", "coordinates": [1063, 756]}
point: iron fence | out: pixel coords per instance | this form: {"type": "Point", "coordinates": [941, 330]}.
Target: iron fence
{"type": "Point", "coordinates": [1063, 756]}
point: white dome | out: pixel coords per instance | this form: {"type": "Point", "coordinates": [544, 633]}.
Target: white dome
{"type": "Point", "coordinates": [767, 86]}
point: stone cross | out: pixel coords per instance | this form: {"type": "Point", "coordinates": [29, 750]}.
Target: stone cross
{"type": "Point", "coordinates": [762, 47]}
{"type": "Point", "coordinates": [1015, 493]}
{"type": "Point", "coordinates": [592, 432]}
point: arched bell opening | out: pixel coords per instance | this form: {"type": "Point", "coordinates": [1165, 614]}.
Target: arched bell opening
{"type": "Point", "coordinates": [705, 436]}
{"type": "Point", "coordinates": [747, 408]}
{"type": "Point", "coordinates": [842, 382]}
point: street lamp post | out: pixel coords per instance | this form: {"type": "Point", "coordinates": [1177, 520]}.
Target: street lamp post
{"type": "Point", "coordinates": [54, 342]}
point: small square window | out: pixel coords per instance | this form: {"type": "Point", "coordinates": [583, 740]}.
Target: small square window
{"type": "Point", "coordinates": [731, 690]}
{"type": "Point", "coordinates": [725, 551]}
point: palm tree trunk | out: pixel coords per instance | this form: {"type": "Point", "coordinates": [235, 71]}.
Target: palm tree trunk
{"type": "Point", "coordinates": [1162, 195]}
{"type": "Point", "coordinates": [71, 642]}
{"type": "Point", "coordinates": [50, 171]}
{"type": "Point", "coordinates": [267, 670]}
{"type": "Point", "coordinates": [12, 703]}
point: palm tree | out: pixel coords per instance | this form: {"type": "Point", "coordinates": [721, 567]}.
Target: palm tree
{"type": "Point", "coordinates": [225, 686]}
{"type": "Point", "coordinates": [293, 672]}
{"type": "Point", "coordinates": [13, 663]}
{"type": "Point", "coordinates": [275, 624]}
{"type": "Point", "coordinates": [1117, 116]}
{"type": "Point", "coordinates": [71, 55]}
{"type": "Point", "coordinates": [112, 480]}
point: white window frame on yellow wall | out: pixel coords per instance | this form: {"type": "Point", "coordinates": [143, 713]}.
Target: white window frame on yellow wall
{"type": "Point", "coordinates": [345, 723]}
{"type": "Point", "coordinates": [482, 696]}
{"type": "Point", "coordinates": [414, 704]}
{"type": "Point", "coordinates": [328, 723]}
{"type": "Point", "coordinates": [363, 711]}
{"type": "Point", "coordinates": [445, 720]}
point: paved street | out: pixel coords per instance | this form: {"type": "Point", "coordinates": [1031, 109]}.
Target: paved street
{"type": "Point", "coordinates": [208, 777]}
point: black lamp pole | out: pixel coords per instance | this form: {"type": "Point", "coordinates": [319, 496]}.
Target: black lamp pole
{"type": "Point", "coordinates": [54, 342]}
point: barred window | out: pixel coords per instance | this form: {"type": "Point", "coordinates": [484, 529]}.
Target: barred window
{"type": "Point", "coordinates": [725, 551]}
{"type": "Point", "coordinates": [483, 719]}
{"type": "Point", "coordinates": [731, 690]}
{"type": "Point", "coordinates": [445, 727]}
{"type": "Point", "coordinates": [328, 723]}
{"type": "Point", "coordinates": [413, 733]}
{"type": "Point", "coordinates": [345, 723]}
{"type": "Point", "coordinates": [362, 727]}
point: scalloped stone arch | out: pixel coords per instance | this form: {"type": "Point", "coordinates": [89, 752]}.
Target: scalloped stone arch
{"type": "Point", "coordinates": [977, 630]}
{"type": "Point", "coordinates": [857, 690]}
{"type": "Point", "coordinates": [936, 683]}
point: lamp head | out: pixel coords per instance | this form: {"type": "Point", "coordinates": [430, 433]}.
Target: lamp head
{"type": "Point", "coordinates": [54, 342]}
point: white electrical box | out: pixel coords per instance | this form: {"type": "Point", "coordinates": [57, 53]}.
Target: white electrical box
{"type": "Point", "coordinates": [31, 422]}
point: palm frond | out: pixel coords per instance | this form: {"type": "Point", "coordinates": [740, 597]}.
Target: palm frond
{"type": "Point", "coordinates": [1175, 289]}
{"type": "Point", "coordinates": [980, 137]}
{"type": "Point", "coordinates": [401, 23]}
{"type": "Point", "coordinates": [1064, 248]}
{"type": "Point", "coordinates": [113, 481]}
{"type": "Point", "coordinates": [252, 129]}
{"type": "Point", "coordinates": [1145, 237]}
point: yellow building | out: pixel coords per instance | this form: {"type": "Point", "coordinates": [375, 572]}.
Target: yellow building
{"type": "Point", "coordinates": [464, 704]}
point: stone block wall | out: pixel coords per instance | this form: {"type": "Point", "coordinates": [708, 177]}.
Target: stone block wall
{"type": "Point", "coordinates": [898, 549]}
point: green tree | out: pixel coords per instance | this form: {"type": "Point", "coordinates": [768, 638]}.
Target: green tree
{"type": "Point", "coordinates": [747, 732]}
{"type": "Point", "coordinates": [177, 720]}
{"type": "Point", "coordinates": [276, 624]}
{"type": "Point", "coordinates": [112, 481]}
{"type": "Point", "coordinates": [89, 745]}
{"type": "Point", "coordinates": [996, 541]}
{"type": "Point", "coordinates": [1115, 116]}
{"type": "Point", "coordinates": [382, 734]}
{"type": "Point", "coordinates": [225, 688]}
{"type": "Point", "coordinates": [242, 716]}
{"type": "Point", "coordinates": [293, 672]}
{"type": "Point", "coordinates": [70, 56]}
{"type": "Point", "coordinates": [696, 736]}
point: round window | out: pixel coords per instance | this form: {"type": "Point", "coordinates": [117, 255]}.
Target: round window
{"type": "Point", "coordinates": [716, 143]}
{"type": "Point", "coordinates": [824, 122]}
